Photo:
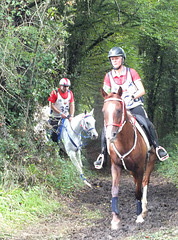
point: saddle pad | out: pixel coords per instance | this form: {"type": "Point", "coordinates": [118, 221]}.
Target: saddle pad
{"type": "Point", "coordinates": [139, 128]}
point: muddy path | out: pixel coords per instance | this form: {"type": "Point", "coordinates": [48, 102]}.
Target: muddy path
{"type": "Point", "coordinates": [87, 213]}
{"type": "Point", "coordinates": [162, 206]}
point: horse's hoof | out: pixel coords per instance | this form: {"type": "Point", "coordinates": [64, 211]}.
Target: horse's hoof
{"type": "Point", "coordinates": [87, 183]}
{"type": "Point", "coordinates": [115, 225]}
{"type": "Point", "coordinates": [139, 219]}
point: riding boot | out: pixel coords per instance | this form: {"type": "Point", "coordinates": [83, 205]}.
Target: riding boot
{"type": "Point", "coordinates": [102, 158]}
{"type": "Point", "coordinates": [160, 151]}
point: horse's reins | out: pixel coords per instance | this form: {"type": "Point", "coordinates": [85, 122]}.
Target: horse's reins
{"type": "Point", "coordinates": [85, 130]}
{"type": "Point", "coordinates": [120, 125]}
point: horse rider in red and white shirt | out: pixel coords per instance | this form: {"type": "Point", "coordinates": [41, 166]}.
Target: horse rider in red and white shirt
{"type": "Point", "coordinates": [133, 90]}
{"type": "Point", "coordinates": [62, 105]}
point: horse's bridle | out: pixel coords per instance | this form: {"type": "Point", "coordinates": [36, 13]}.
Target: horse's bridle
{"type": "Point", "coordinates": [120, 125]}
{"type": "Point", "coordinates": [123, 121]}
{"type": "Point", "coordinates": [83, 124]}
{"type": "Point", "coordinates": [84, 129]}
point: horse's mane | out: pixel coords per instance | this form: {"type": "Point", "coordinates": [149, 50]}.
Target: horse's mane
{"type": "Point", "coordinates": [79, 115]}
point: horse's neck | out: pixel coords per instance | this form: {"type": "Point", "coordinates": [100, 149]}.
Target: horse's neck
{"type": "Point", "coordinates": [129, 117]}
{"type": "Point", "coordinates": [76, 123]}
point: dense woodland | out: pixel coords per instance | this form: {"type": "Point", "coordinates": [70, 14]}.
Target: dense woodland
{"type": "Point", "coordinates": [42, 41]}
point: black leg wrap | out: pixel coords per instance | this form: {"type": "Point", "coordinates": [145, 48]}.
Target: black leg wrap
{"type": "Point", "coordinates": [139, 207]}
{"type": "Point", "coordinates": [115, 205]}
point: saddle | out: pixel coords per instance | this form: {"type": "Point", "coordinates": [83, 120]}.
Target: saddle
{"type": "Point", "coordinates": [142, 126]}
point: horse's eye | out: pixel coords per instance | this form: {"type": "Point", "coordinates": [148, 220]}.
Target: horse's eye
{"type": "Point", "coordinates": [119, 112]}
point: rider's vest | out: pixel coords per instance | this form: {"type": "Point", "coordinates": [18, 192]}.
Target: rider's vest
{"type": "Point", "coordinates": [61, 104]}
{"type": "Point", "coordinates": [129, 88]}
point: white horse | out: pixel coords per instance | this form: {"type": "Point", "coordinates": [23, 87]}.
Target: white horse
{"type": "Point", "coordinates": [71, 137]}
{"type": "Point", "coordinates": [70, 134]}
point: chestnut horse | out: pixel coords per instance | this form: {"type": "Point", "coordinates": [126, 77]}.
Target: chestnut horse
{"type": "Point", "coordinates": [128, 150]}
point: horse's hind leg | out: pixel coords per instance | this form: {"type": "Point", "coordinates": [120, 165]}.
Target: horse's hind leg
{"type": "Point", "coordinates": [149, 169]}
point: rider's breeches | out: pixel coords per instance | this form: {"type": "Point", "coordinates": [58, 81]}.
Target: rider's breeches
{"type": "Point", "coordinates": [152, 132]}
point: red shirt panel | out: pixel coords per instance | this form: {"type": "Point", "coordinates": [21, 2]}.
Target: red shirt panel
{"type": "Point", "coordinates": [53, 96]}
{"type": "Point", "coordinates": [122, 78]}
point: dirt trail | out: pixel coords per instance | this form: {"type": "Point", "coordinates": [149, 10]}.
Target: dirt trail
{"type": "Point", "coordinates": [75, 223]}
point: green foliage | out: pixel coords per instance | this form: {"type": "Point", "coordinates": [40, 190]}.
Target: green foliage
{"type": "Point", "coordinates": [40, 44]}
{"type": "Point", "coordinates": [26, 162]}
{"type": "Point", "coordinates": [63, 175]}
{"type": "Point", "coordinates": [30, 62]}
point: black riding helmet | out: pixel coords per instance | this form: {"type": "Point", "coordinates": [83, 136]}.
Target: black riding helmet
{"type": "Point", "coordinates": [117, 52]}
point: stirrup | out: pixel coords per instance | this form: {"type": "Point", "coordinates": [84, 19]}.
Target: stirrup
{"type": "Point", "coordinates": [164, 157]}
{"type": "Point", "coordinates": [99, 162]}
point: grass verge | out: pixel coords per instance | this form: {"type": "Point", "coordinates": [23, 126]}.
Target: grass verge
{"type": "Point", "coordinates": [19, 207]}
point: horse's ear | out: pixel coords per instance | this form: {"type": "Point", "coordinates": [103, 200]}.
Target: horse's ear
{"type": "Point", "coordinates": [103, 93]}
{"type": "Point", "coordinates": [85, 112]}
{"type": "Point", "coordinates": [92, 111]}
{"type": "Point", "coordinates": [120, 92]}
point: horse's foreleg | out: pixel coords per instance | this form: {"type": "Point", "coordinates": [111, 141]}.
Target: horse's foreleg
{"type": "Point", "coordinates": [115, 190]}
{"type": "Point", "coordinates": [74, 159]}
{"type": "Point", "coordinates": [144, 201]}
{"type": "Point", "coordinates": [78, 153]}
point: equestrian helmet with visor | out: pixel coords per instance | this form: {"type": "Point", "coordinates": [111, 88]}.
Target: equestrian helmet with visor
{"type": "Point", "coordinates": [65, 82]}
{"type": "Point", "coordinates": [117, 52]}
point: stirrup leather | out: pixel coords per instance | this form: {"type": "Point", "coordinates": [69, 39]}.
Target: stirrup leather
{"type": "Point", "coordinates": [101, 159]}
{"type": "Point", "coordinates": [161, 158]}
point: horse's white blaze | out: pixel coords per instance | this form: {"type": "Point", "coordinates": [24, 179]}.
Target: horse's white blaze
{"type": "Point", "coordinates": [144, 201]}
{"type": "Point", "coordinates": [111, 110]}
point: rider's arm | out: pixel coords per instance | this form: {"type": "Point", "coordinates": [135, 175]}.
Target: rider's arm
{"type": "Point", "coordinates": [58, 111]}
{"type": "Point", "coordinates": [72, 109]}
{"type": "Point", "coordinates": [138, 83]}
{"type": "Point", "coordinates": [107, 84]}
{"type": "Point", "coordinates": [140, 89]}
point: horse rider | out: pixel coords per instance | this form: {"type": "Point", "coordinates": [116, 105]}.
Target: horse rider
{"type": "Point", "coordinates": [133, 90]}
{"type": "Point", "coordinates": [62, 106]}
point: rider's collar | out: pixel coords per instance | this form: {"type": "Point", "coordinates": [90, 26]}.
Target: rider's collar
{"type": "Point", "coordinates": [116, 74]}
